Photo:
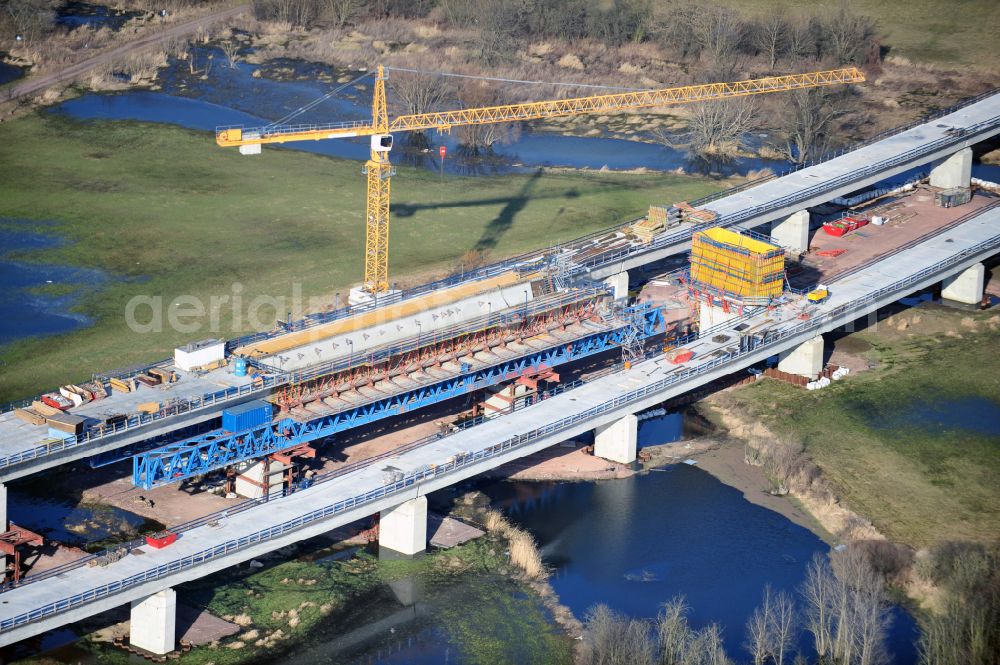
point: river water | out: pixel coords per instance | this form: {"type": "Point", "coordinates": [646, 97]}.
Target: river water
{"type": "Point", "coordinates": [38, 298]}
{"type": "Point", "coordinates": [631, 544]}
{"type": "Point", "coordinates": [232, 96]}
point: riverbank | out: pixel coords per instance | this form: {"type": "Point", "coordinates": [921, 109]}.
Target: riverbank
{"type": "Point", "coordinates": [332, 599]}
{"type": "Point", "coordinates": [905, 451]}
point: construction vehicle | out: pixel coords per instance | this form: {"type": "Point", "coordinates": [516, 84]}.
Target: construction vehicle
{"type": "Point", "coordinates": [379, 170]}
{"type": "Point", "coordinates": [818, 295]}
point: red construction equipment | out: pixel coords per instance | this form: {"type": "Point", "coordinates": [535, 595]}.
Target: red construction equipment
{"type": "Point", "coordinates": [11, 543]}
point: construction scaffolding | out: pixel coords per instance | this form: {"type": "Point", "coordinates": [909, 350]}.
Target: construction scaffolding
{"type": "Point", "coordinates": [733, 266]}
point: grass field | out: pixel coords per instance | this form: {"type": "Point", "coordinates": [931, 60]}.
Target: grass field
{"type": "Point", "coordinates": [917, 484]}
{"type": "Point", "coordinates": [963, 32]}
{"type": "Point", "coordinates": [166, 212]}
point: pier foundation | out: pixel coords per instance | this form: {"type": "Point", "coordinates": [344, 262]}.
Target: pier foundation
{"type": "Point", "coordinates": [403, 529]}
{"type": "Point", "coordinates": [805, 360]}
{"type": "Point", "coordinates": [154, 622]}
{"type": "Point", "coordinates": [965, 287]}
{"type": "Point", "coordinates": [793, 232]}
{"type": "Point", "coordinates": [619, 283]}
{"type": "Point", "coordinates": [617, 441]}
{"type": "Point", "coordinates": [953, 171]}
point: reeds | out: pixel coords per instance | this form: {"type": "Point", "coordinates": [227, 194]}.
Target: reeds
{"type": "Point", "coordinates": [523, 550]}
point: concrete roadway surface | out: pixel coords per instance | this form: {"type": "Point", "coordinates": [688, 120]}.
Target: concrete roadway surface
{"type": "Point", "coordinates": [81, 592]}
{"type": "Point", "coordinates": [71, 72]}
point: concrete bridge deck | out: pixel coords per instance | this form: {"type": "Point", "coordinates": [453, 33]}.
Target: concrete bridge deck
{"type": "Point", "coordinates": [27, 449]}
{"type": "Point", "coordinates": [781, 197]}
{"type": "Point", "coordinates": [80, 592]}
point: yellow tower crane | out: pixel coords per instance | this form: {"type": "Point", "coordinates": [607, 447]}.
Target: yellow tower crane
{"type": "Point", "coordinates": [379, 170]}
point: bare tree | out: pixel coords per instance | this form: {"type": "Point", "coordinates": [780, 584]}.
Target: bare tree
{"type": "Point", "coordinates": [31, 18]}
{"type": "Point", "coordinates": [809, 123]}
{"type": "Point", "coordinates": [614, 638]}
{"type": "Point", "coordinates": [419, 93]}
{"type": "Point", "coordinates": [342, 12]}
{"type": "Point", "coordinates": [500, 22]}
{"type": "Point", "coordinates": [783, 623]}
{"type": "Point", "coordinates": [818, 593]}
{"type": "Point", "coordinates": [848, 35]}
{"type": "Point", "coordinates": [231, 48]}
{"type": "Point", "coordinates": [860, 610]}
{"type": "Point", "coordinates": [478, 138]}
{"type": "Point", "coordinates": [705, 648]}
{"type": "Point", "coordinates": [715, 129]}
{"type": "Point", "coordinates": [967, 630]}
{"type": "Point", "coordinates": [672, 631]}
{"type": "Point", "coordinates": [760, 640]}
{"type": "Point", "coordinates": [771, 34]}
{"type": "Point", "coordinates": [719, 32]}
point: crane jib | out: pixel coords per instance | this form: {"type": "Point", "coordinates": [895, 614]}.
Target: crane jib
{"type": "Point", "coordinates": [379, 170]}
{"type": "Point", "coordinates": [445, 120]}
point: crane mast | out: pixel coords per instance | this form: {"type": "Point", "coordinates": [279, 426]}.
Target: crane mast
{"type": "Point", "coordinates": [379, 171]}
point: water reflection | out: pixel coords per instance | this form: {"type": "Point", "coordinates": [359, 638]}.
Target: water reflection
{"type": "Point", "coordinates": [977, 415]}
{"type": "Point", "coordinates": [38, 298]}
{"type": "Point", "coordinates": [222, 95]}
{"type": "Point", "coordinates": [635, 543]}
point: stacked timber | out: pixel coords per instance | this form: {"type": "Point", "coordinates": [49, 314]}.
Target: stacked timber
{"type": "Point", "coordinates": [66, 423]}
{"type": "Point", "coordinates": [29, 416]}
{"type": "Point", "coordinates": [165, 376]}
{"type": "Point", "coordinates": [647, 229]}
{"type": "Point", "coordinates": [124, 385]}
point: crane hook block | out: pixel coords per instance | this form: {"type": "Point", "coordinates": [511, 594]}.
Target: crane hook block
{"type": "Point", "coordinates": [381, 142]}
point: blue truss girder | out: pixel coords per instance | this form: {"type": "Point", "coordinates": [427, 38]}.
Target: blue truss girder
{"type": "Point", "coordinates": [218, 449]}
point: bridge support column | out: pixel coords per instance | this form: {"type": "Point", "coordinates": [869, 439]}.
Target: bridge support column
{"type": "Point", "coordinates": [619, 283]}
{"type": "Point", "coordinates": [954, 171]}
{"type": "Point", "coordinates": [805, 360]}
{"type": "Point", "coordinates": [965, 287]}
{"type": "Point", "coordinates": [617, 441]}
{"type": "Point", "coordinates": [793, 232]}
{"type": "Point", "coordinates": [403, 529]}
{"type": "Point", "coordinates": [154, 622]}
{"type": "Point", "coordinates": [3, 525]}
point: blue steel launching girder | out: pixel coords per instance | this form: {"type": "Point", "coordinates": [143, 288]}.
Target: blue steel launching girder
{"type": "Point", "coordinates": [218, 449]}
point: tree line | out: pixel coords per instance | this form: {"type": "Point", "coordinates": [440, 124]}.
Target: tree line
{"type": "Point", "coordinates": [687, 29]}
{"type": "Point", "coordinates": [843, 606]}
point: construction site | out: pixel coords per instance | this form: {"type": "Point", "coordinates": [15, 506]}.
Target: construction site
{"type": "Point", "coordinates": [320, 396]}
{"type": "Point", "coordinates": [225, 425]}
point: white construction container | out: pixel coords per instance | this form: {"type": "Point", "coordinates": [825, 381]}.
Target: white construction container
{"type": "Point", "coordinates": [199, 354]}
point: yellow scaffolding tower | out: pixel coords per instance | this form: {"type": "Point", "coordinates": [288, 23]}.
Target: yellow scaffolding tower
{"type": "Point", "coordinates": [735, 266]}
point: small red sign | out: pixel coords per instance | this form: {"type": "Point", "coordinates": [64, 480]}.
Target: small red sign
{"type": "Point", "coordinates": [442, 150]}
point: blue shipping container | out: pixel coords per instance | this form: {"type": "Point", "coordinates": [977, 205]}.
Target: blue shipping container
{"type": "Point", "coordinates": [245, 416]}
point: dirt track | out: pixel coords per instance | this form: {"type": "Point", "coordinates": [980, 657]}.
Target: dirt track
{"type": "Point", "coordinates": [34, 85]}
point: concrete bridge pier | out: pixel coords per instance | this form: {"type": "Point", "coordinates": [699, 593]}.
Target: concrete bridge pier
{"type": "Point", "coordinates": [619, 283]}
{"type": "Point", "coordinates": [965, 287]}
{"type": "Point", "coordinates": [154, 622]}
{"type": "Point", "coordinates": [793, 232]}
{"type": "Point", "coordinates": [953, 171]}
{"type": "Point", "coordinates": [403, 529]}
{"type": "Point", "coordinates": [805, 360]}
{"type": "Point", "coordinates": [617, 441]}
{"type": "Point", "coordinates": [3, 525]}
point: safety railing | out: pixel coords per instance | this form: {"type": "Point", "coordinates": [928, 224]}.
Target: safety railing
{"type": "Point", "coordinates": [219, 515]}
{"type": "Point", "coordinates": [503, 266]}
{"type": "Point", "coordinates": [381, 353]}
{"type": "Point", "coordinates": [140, 420]}
{"type": "Point", "coordinates": [772, 340]}
{"type": "Point", "coordinates": [833, 154]}
{"type": "Point", "coordinates": [665, 240]}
